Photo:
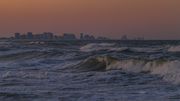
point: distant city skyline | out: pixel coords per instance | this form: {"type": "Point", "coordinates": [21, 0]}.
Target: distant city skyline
{"type": "Point", "coordinates": [119, 36]}
{"type": "Point", "coordinates": [52, 36]}
{"type": "Point", "coordinates": [157, 19]}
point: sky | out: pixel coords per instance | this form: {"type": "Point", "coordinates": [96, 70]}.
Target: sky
{"type": "Point", "coordinates": [152, 19]}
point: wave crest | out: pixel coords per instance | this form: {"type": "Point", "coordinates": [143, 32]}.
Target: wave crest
{"type": "Point", "coordinates": [174, 49]}
{"type": "Point", "coordinates": [112, 47]}
{"type": "Point", "coordinates": [168, 69]}
{"type": "Point", "coordinates": [96, 47]}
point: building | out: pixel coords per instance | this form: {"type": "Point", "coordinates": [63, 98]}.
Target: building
{"type": "Point", "coordinates": [81, 36]}
{"type": "Point", "coordinates": [69, 36]}
{"type": "Point", "coordinates": [89, 37]}
{"type": "Point", "coordinates": [102, 38]}
{"type": "Point", "coordinates": [86, 37]}
{"type": "Point", "coordinates": [139, 38]}
{"type": "Point", "coordinates": [58, 37]}
{"type": "Point", "coordinates": [47, 35]}
{"type": "Point", "coordinates": [23, 36]}
{"type": "Point", "coordinates": [17, 35]}
{"type": "Point", "coordinates": [38, 36]}
{"type": "Point", "coordinates": [124, 37]}
{"type": "Point", "coordinates": [29, 35]}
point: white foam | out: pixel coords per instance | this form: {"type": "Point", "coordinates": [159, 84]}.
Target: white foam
{"type": "Point", "coordinates": [174, 49]}
{"type": "Point", "coordinates": [96, 47]}
{"type": "Point", "coordinates": [168, 69]}
{"type": "Point", "coordinates": [147, 49]}
{"type": "Point", "coordinates": [112, 47]}
{"type": "Point", "coordinates": [36, 42]}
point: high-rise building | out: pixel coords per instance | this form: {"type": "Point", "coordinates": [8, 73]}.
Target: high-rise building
{"type": "Point", "coordinates": [89, 37]}
{"type": "Point", "coordinates": [81, 36]}
{"type": "Point", "coordinates": [69, 36]}
{"type": "Point", "coordinates": [102, 38]}
{"type": "Point", "coordinates": [124, 37]}
{"type": "Point", "coordinates": [48, 35]}
{"type": "Point", "coordinates": [29, 35]}
{"type": "Point", "coordinates": [23, 36]}
{"type": "Point", "coordinates": [17, 35]}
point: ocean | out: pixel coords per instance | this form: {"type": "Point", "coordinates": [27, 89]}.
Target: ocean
{"type": "Point", "coordinates": [89, 70]}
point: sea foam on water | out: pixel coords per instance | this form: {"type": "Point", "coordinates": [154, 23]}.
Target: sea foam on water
{"type": "Point", "coordinates": [168, 69]}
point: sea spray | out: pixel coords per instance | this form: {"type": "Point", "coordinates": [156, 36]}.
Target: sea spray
{"type": "Point", "coordinates": [168, 69]}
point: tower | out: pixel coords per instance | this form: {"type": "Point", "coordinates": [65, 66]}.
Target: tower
{"type": "Point", "coordinates": [17, 35]}
{"type": "Point", "coordinates": [81, 36]}
{"type": "Point", "coordinates": [29, 35]}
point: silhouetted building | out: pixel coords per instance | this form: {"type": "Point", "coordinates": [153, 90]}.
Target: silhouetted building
{"type": "Point", "coordinates": [38, 36]}
{"type": "Point", "coordinates": [29, 35]}
{"type": "Point", "coordinates": [17, 35]}
{"type": "Point", "coordinates": [124, 37]}
{"type": "Point", "coordinates": [139, 38]}
{"type": "Point", "coordinates": [89, 37]}
{"type": "Point", "coordinates": [69, 36]}
{"type": "Point", "coordinates": [23, 36]}
{"type": "Point", "coordinates": [81, 36]}
{"type": "Point", "coordinates": [102, 38]}
{"type": "Point", "coordinates": [47, 35]}
{"type": "Point", "coordinates": [57, 37]}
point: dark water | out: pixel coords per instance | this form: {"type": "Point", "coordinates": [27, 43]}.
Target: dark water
{"type": "Point", "coordinates": [90, 71]}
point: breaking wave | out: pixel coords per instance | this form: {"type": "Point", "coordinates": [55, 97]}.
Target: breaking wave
{"type": "Point", "coordinates": [174, 49]}
{"type": "Point", "coordinates": [96, 47]}
{"type": "Point", "coordinates": [168, 69]}
{"type": "Point", "coordinates": [112, 47]}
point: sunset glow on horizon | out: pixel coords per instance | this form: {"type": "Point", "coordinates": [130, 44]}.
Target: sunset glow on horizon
{"type": "Point", "coordinates": [154, 19]}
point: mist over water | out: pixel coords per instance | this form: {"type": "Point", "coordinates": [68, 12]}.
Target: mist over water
{"type": "Point", "coordinates": [90, 71]}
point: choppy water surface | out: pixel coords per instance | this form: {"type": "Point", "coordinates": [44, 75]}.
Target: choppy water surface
{"type": "Point", "coordinates": [90, 71]}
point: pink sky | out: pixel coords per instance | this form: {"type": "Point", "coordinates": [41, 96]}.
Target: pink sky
{"type": "Point", "coordinates": [154, 19]}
